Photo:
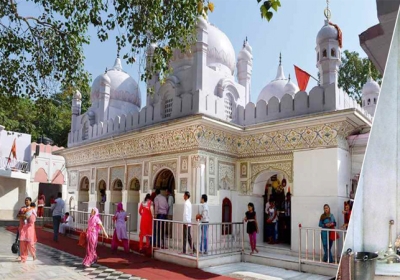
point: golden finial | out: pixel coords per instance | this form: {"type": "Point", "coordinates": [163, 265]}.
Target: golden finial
{"type": "Point", "coordinates": [327, 11]}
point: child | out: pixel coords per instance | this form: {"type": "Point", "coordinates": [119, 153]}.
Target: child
{"type": "Point", "coordinates": [252, 226]}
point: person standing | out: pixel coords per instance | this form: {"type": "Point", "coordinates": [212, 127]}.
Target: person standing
{"type": "Point", "coordinates": [22, 219]}
{"type": "Point", "coordinates": [58, 208]}
{"type": "Point", "coordinates": [146, 211]}
{"type": "Point", "coordinates": [187, 219]}
{"type": "Point", "coordinates": [252, 227]}
{"type": "Point", "coordinates": [120, 235]}
{"type": "Point", "coordinates": [27, 237]}
{"type": "Point", "coordinates": [92, 236]}
{"type": "Point", "coordinates": [327, 221]}
{"type": "Point", "coordinates": [347, 213]}
{"type": "Point", "coordinates": [161, 211]}
{"type": "Point", "coordinates": [287, 205]}
{"type": "Point", "coordinates": [41, 203]}
{"type": "Point", "coordinates": [205, 219]}
{"type": "Point", "coordinates": [272, 217]}
{"type": "Point", "coordinates": [171, 201]}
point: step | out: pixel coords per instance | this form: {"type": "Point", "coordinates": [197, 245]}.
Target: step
{"type": "Point", "coordinates": [5, 223]}
{"type": "Point", "coordinates": [291, 263]}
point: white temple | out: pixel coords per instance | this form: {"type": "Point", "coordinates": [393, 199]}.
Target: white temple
{"type": "Point", "coordinates": [200, 132]}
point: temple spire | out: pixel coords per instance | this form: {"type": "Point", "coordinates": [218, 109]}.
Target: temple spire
{"type": "Point", "coordinates": [327, 11]}
{"type": "Point", "coordinates": [280, 59]}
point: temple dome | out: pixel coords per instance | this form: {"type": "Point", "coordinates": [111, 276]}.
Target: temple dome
{"type": "Point", "coordinates": [371, 87]}
{"type": "Point", "coordinates": [220, 50]}
{"type": "Point", "coordinates": [275, 88]}
{"type": "Point", "coordinates": [327, 32]}
{"type": "Point", "coordinates": [246, 52]}
{"type": "Point", "coordinates": [290, 88]}
{"type": "Point", "coordinates": [122, 86]}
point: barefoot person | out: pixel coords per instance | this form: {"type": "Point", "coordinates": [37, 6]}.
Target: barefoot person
{"type": "Point", "coordinates": [120, 235]}
{"type": "Point", "coordinates": [27, 236]}
{"type": "Point", "coordinates": [146, 211]}
{"type": "Point", "coordinates": [252, 226]}
{"type": "Point", "coordinates": [92, 236]}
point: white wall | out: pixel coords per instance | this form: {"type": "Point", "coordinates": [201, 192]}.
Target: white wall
{"type": "Point", "coordinates": [12, 197]}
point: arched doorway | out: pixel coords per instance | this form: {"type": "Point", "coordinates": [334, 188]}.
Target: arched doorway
{"type": "Point", "coordinates": [273, 185]}
{"type": "Point", "coordinates": [116, 195]}
{"type": "Point", "coordinates": [101, 195]}
{"type": "Point", "coordinates": [165, 180]}
{"type": "Point", "coordinates": [83, 198]}
{"type": "Point", "coordinates": [227, 216]}
{"type": "Point", "coordinates": [132, 204]}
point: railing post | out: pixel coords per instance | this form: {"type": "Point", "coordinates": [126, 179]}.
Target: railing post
{"type": "Point", "coordinates": [197, 238]}
{"type": "Point", "coordinates": [152, 239]}
{"type": "Point", "coordinates": [299, 247]}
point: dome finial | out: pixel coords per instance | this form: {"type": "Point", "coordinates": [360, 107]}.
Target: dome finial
{"type": "Point", "coordinates": [280, 59]}
{"type": "Point", "coordinates": [117, 64]}
{"type": "Point", "coordinates": [105, 71]}
{"type": "Point", "coordinates": [369, 68]}
{"type": "Point", "coordinates": [327, 11]}
{"type": "Point", "coordinates": [289, 77]}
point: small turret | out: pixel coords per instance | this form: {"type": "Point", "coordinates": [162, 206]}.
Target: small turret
{"type": "Point", "coordinates": [76, 108]}
{"type": "Point", "coordinates": [245, 68]}
{"type": "Point", "coordinates": [370, 94]}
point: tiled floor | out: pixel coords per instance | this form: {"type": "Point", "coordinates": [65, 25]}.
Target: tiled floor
{"type": "Point", "coordinates": [251, 271]}
{"type": "Point", "coordinates": [50, 264]}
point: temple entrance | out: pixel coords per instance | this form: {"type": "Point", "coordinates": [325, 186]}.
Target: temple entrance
{"type": "Point", "coordinates": [83, 197]}
{"type": "Point", "coordinates": [132, 204]}
{"type": "Point", "coordinates": [273, 186]}
{"type": "Point", "coordinates": [116, 195]}
{"type": "Point", "coordinates": [101, 196]}
{"type": "Point", "coordinates": [165, 180]}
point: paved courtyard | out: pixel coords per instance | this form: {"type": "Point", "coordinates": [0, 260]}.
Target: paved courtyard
{"type": "Point", "coordinates": [53, 262]}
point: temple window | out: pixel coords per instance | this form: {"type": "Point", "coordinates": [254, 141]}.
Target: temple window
{"type": "Point", "coordinates": [369, 101]}
{"type": "Point", "coordinates": [333, 53]}
{"type": "Point", "coordinates": [324, 53]}
{"type": "Point", "coordinates": [168, 107]}
{"type": "Point", "coordinates": [375, 100]}
{"type": "Point", "coordinates": [317, 56]}
{"type": "Point", "coordinates": [228, 107]}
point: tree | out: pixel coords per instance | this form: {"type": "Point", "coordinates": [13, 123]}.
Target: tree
{"type": "Point", "coordinates": [42, 51]}
{"type": "Point", "coordinates": [266, 6]}
{"type": "Point", "coordinates": [353, 74]}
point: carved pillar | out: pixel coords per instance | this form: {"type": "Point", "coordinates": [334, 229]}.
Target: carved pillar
{"type": "Point", "coordinates": [198, 177]}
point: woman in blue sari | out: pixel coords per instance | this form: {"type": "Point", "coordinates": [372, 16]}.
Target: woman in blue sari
{"type": "Point", "coordinates": [327, 221]}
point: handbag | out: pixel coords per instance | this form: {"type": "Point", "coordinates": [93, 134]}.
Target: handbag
{"type": "Point", "coordinates": [82, 239]}
{"type": "Point", "coordinates": [333, 235]}
{"type": "Point", "coordinates": [15, 246]}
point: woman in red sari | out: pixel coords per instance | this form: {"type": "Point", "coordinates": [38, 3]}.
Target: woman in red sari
{"type": "Point", "coordinates": [92, 236]}
{"type": "Point", "coordinates": [146, 223]}
{"type": "Point", "coordinates": [27, 237]}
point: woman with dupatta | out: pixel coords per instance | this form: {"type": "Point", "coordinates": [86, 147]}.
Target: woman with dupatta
{"type": "Point", "coordinates": [92, 236]}
{"type": "Point", "coordinates": [327, 221]}
{"type": "Point", "coordinates": [27, 235]}
{"type": "Point", "coordinates": [146, 222]}
{"type": "Point", "coordinates": [120, 235]}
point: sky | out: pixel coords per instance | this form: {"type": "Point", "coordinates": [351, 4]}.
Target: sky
{"type": "Point", "coordinates": [292, 31]}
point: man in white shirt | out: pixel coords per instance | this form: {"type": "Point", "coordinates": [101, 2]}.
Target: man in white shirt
{"type": "Point", "coordinates": [67, 224]}
{"type": "Point", "coordinates": [170, 212]}
{"type": "Point", "coordinates": [205, 219]}
{"type": "Point", "coordinates": [187, 218]}
{"type": "Point", "coordinates": [58, 209]}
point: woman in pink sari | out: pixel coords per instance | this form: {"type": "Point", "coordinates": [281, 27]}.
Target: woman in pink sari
{"type": "Point", "coordinates": [92, 236]}
{"type": "Point", "coordinates": [27, 236]}
{"type": "Point", "coordinates": [120, 235]}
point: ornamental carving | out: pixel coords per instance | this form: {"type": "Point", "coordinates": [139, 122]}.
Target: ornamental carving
{"type": "Point", "coordinates": [226, 176]}
{"type": "Point", "coordinates": [211, 169]}
{"type": "Point", "coordinates": [117, 173]}
{"type": "Point", "coordinates": [198, 160]}
{"type": "Point", "coordinates": [283, 166]}
{"type": "Point", "coordinates": [82, 174]}
{"type": "Point", "coordinates": [102, 174]}
{"type": "Point", "coordinates": [211, 187]}
{"type": "Point", "coordinates": [146, 168]}
{"type": "Point", "coordinates": [135, 171]}
{"type": "Point", "coordinates": [145, 186]}
{"type": "Point", "coordinates": [183, 185]}
{"type": "Point", "coordinates": [236, 144]}
{"type": "Point", "coordinates": [184, 164]}
{"type": "Point", "coordinates": [155, 167]}
{"type": "Point", "coordinates": [73, 178]}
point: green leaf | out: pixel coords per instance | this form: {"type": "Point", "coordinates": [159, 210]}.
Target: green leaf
{"type": "Point", "coordinates": [269, 15]}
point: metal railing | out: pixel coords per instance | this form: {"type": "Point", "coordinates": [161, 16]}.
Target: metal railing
{"type": "Point", "coordinates": [13, 164]}
{"type": "Point", "coordinates": [317, 245]}
{"type": "Point", "coordinates": [81, 219]}
{"type": "Point", "coordinates": [206, 238]}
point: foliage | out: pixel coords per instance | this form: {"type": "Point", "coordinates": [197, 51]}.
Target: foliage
{"type": "Point", "coordinates": [266, 6]}
{"type": "Point", "coordinates": [353, 74]}
{"type": "Point", "coordinates": [41, 41]}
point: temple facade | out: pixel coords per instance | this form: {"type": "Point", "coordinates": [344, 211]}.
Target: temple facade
{"type": "Point", "coordinates": [200, 132]}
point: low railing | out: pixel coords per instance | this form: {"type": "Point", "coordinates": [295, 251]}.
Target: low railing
{"type": "Point", "coordinates": [13, 164]}
{"type": "Point", "coordinates": [81, 219]}
{"type": "Point", "coordinates": [220, 238]}
{"type": "Point", "coordinates": [313, 247]}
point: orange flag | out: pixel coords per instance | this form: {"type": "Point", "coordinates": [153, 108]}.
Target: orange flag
{"type": "Point", "coordinates": [14, 149]}
{"type": "Point", "coordinates": [302, 78]}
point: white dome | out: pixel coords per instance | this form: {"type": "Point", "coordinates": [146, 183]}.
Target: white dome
{"type": "Point", "coordinates": [371, 87]}
{"type": "Point", "coordinates": [122, 86]}
{"type": "Point", "coordinates": [327, 32]}
{"type": "Point", "coordinates": [77, 95]}
{"type": "Point", "coordinates": [220, 50]}
{"type": "Point", "coordinates": [274, 88]}
{"type": "Point", "coordinates": [290, 88]}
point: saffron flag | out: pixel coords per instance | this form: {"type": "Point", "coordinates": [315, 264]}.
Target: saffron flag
{"type": "Point", "coordinates": [14, 149]}
{"type": "Point", "coordinates": [302, 78]}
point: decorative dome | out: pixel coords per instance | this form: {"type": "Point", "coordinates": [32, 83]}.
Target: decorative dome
{"type": "Point", "coordinates": [122, 86]}
{"type": "Point", "coordinates": [220, 50]}
{"type": "Point", "coordinates": [371, 87]}
{"type": "Point", "coordinates": [290, 88]}
{"type": "Point", "coordinates": [327, 32]}
{"type": "Point", "coordinates": [246, 52]}
{"type": "Point", "coordinates": [77, 95]}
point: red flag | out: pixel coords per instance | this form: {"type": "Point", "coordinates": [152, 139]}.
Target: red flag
{"type": "Point", "coordinates": [14, 149]}
{"type": "Point", "coordinates": [302, 78]}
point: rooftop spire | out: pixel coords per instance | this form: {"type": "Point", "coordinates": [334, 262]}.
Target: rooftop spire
{"type": "Point", "coordinates": [327, 11]}
{"type": "Point", "coordinates": [118, 64]}
{"type": "Point", "coordinates": [289, 77]}
{"type": "Point", "coordinates": [280, 59]}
